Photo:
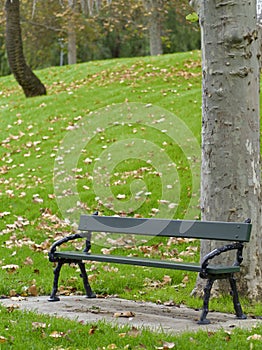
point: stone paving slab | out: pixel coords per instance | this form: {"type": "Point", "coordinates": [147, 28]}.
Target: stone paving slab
{"type": "Point", "coordinates": [172, 319]}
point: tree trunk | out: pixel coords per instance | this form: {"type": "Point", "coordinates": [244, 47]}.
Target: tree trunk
{"type": "Point", "coordinates": [259, 11]}
{"type": "Point", "coordinates": [71, 33]}
{"type": "Point", "coordinates": [153, 8]}
{"type": "Point", "coordinates": [230, 178]}
{"type": "Point", "coordinates": [29, 82]}
{"type": "Point", "coordinates": [71, 53]}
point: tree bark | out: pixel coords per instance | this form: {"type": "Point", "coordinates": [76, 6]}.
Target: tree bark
{"type": "Point", "coordinates": [230, 178]}
{"type": "Point", "coordinates": [153, 8]}
{"type": "Point", "coordinates": [71, 54]}
{"type": "Point", "coordinates": [71, 34]}
{"type": "Point", "coordinates": [29, 82]}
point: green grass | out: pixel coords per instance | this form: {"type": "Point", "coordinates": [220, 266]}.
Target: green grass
{"type": "Point", "coordinates": [43, 332]}
{"type": "Point", "coordinates": [54, 149]}
{"type": "Point", "coordinates": [37, 133]}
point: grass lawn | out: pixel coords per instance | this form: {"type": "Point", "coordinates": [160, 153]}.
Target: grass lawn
{"type": "Point", "coordinates": [118, 136]}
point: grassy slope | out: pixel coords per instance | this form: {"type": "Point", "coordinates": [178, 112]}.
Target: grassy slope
{"type": "Point", "coordinates": [31, 132]}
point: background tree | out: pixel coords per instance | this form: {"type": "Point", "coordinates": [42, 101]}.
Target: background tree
{"type": "Point", "coordinates": [105, 29]}
{"type": "Point", "coordinates": [154, 13]}
{"type": "Point", "coordinates": [123, 29]}
{"type": "Point", "coordinates": [230, 188]}
{"type": "Point", "coordinates": [4, 68]}
{"type": "Point", "coordinates": [29, 82]}
{"type": "Point", "coordinates": [42, 31]}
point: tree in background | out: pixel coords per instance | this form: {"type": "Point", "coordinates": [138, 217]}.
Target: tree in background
{"type": "Point", "coordinates": [123, 29]}
{"type": "Point", "coordinates": [72, 15]}
{"type": "Point", "coordinates": [29, 82]}
{"type": "Point", "coordinates": [230, 178]}
{"type": "Point", "coordinates": [99, 30]}
{"type": "Point", "coordinates": [154, 13]}
{"type": "Point", "coordinates": [4, 67]}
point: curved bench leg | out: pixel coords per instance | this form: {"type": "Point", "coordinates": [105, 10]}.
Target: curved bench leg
{"type": "Point", "coordinates": [53, 296]}
{"type": "Point", "coordinates": [89, 292]}
{"type": "Point", "coordinates": [203, 320]}
{"type": "Point", "coordinates": [236, 302]}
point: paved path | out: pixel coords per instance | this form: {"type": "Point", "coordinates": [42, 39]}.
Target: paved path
{"type": "Point", "coordinates": [120, 311]}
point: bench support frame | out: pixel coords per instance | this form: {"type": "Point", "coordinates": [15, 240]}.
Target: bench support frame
{"type": "Point", "coordinates": [83, 275]}
{"type": "Point", "coordinates": [205, 272]}
{"type": "Point", "coordinates": [234, 293]}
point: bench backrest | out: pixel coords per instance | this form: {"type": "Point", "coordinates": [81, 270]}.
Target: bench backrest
{"type": "Point", "coordinates": [213, 230]}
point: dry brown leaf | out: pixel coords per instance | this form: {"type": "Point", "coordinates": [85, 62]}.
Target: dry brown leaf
{"type": "Point", "coordinates": [167, 279]}
{"type": "Point", "coordinates": [32, 290]}
{"type": "Point", "coordinates": [28, 261]}
{"type": "Point", "coordinates": [92, 330]}
{"type": "Point", "coordinates": [108, 268]}
{"type": "Point", "coordinates": [185, 279]}
{"type": "Point", "coordinates": [124, 314]}
{"type": "Point", "coordinates": [167, 345]}
{"type": "Point", "coordinates": [36, 325]}
{"type": "Point", "coordinates": [56, 334]}
{"type": "Point", "coordinates": [255, 337]}
{"type": "Point", "coordinates": [3, 339]}
{"type": "Point", "coordinates": [10, 267]}
{"type": "Point", "coordinates": [122, 335]}
{"type": "Point", "coordinates": [105, 251]}
{"type": "Point", "coordinates": [12, 293]}
{"type": "Point", "coordinates": [12, 307]}
{"type": "Point", "coordinates": [169, 303]}
{"type": "Point", "coordinates": [134, 332]}
{"type": "Point", "coordinates": [5, 213]}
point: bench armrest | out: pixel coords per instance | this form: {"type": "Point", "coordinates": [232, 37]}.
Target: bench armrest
{"type": "Point", "coordinates": [234, 246]}
{"type": "Point", "coordinates": [60, 242]}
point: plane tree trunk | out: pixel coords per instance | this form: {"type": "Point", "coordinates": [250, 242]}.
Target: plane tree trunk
{"type": "Point", "coordinates": [230, 176]}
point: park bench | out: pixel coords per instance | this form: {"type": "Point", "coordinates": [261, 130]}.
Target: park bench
{"type": "Point", "coordinates": [236, 234]}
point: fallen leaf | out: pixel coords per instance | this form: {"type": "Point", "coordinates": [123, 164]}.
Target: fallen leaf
{"type": "Point", "coordinates": [3, 339]}
{"type": "Point", "coordinates": [124, 314]}
{"type": "Point", "coordinates": [12, 293]}
{"type": "Point", "coordinates": [17, 298]}
{"type": "Point", "coordinates": [10, 268]}
{"type": "Point", "coordinates": [28, 261]}
{"type": "Point", "coordinates": [32, 290]}
{"type": "Point", "coordinates": [108, 268]}
{"type": "Point", "coordinates": [169, 303]}
{"type": "Point", "coordinates": [88, 160]}
{"type": "Point", "coordinates": [12, 307]}
{"type": "Point", "coordinates": [56, 334]}
{"type": "Point", "coordinates": [167, 279]}
{"type": "Point", "coordinates": [36, 325]}
{"type": "Point", "coordinates": [134, 332]}
{"type": "Point", "coordinates": [255, 337]}
{"type": "Point", "coordinates": [37, 199]}
{"type": "Point", "coordinates": [121, 196]}
{"type": "Point", "coordinates": [168, 345]}
{"type": "Point", "coordinates": [5, 213]}
{"type": "Point", "coordinates": [92, 330]}
{"type": "Point", "coordinates": [106, 251]}
{"type": "Point", "coordinates": [122, 335]}
{"type": "Point", "coordinates": [185, 279]}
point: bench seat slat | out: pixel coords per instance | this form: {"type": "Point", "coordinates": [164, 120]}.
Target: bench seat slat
{"type": "Point", "coordinates": [70, 255]}
{"type": "Point", "coordinates": [212, 230]}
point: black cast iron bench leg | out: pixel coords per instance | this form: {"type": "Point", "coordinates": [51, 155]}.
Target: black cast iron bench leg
{"type": "Point", "coordinates": [53, 296]}
{"type": "Point", "coordinates": [207, 292]}
{"type": "Point", "coordinates": [236, 302]}
{"type": "Point", "coordinates": [89, 292]}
